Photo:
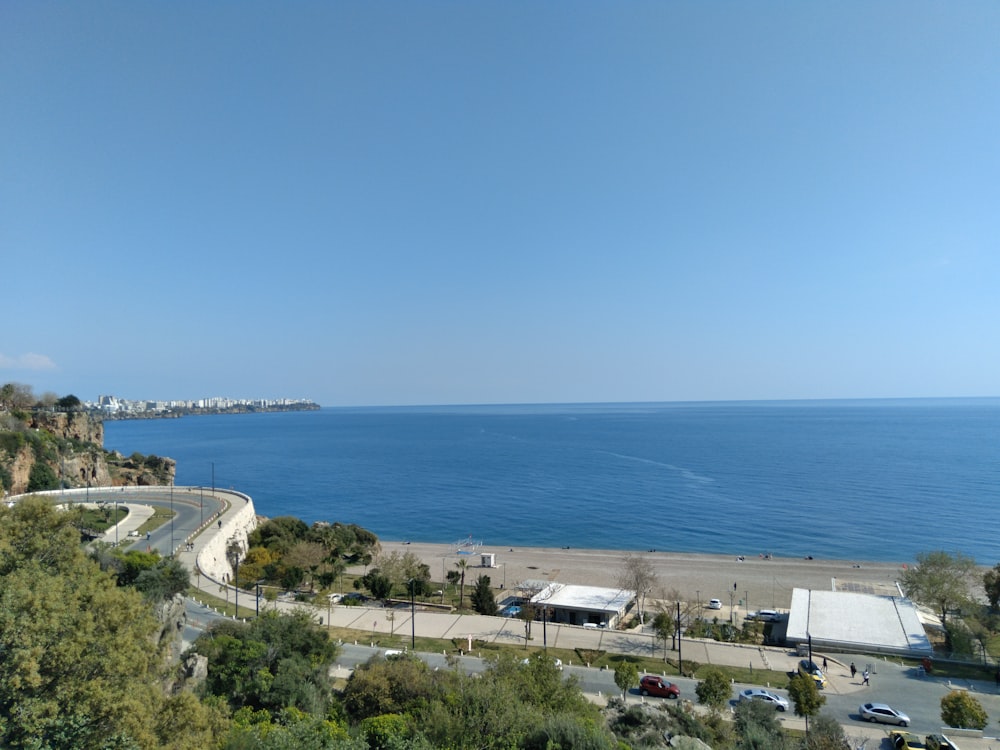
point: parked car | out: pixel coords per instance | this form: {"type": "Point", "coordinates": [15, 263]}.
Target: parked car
{"type": "Point", "coordinates": [905, 741]}
{"type": "Point", "coordinates": [714, 604]}
{"type": "Point", "coordinates": [811, 669]}
{"type": "Point", "coordinates": [939, 742]}
{"type": "Point", "coordinates": [650, 684]}
{"type": "Point", "coordinates": [764, 696]}
{"type": "Point", "coordinates": [883, 714]}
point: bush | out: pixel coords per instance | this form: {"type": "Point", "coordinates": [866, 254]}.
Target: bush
{"type": "Point", "coordinates": [960, 709]}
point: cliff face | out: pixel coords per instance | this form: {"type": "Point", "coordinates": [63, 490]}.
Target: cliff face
{"type": "Point", "coordinates": [48, 450]}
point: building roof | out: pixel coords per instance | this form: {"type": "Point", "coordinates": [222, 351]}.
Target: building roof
{"type": "Point", "coordinates": [589, 598]}
{"type": "Point", "coordinates": [849, 619]}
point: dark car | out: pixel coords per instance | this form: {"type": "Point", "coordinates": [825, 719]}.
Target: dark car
{"type": "Point", "coordinates": [650, 684]}
{"type": "Point", "coordinates": [811, 669]}
{"type": "Point", "coordinates": [939, 742]}
{"type": "Point", "coordinates": [905, 741]}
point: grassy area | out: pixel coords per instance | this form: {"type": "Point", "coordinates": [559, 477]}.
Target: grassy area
{"type": "Point", "coordinates": [102, 519]}
{"type": "Point", "coordinates": [160, 516]}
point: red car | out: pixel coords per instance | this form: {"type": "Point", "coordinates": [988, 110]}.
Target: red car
{"type": "Point", "coordinates": [650, 684]}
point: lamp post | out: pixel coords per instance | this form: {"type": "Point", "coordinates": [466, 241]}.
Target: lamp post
{"type": "Point", "coordinates": [233, 551]}
{"type": "Point", "coordinates": [413, 620]}
{"type": "Point", "coordinates": [116, 523]}
{"type": "Point", "coordinates": [680, 660]}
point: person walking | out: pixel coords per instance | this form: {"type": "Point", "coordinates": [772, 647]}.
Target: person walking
{"type": "Point", "coordinates": [824, 663]}
{"type": "Point", "coordinates": [864, 678]}
{"type": "Point", "coordinates": [854, 670]}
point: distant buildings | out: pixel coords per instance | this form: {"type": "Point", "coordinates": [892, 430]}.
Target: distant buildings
{"type": "Point", "coordinates": [119, 408]}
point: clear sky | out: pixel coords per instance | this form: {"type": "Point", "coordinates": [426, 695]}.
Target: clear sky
{"type": "Point", "coordinates": [499, 201]}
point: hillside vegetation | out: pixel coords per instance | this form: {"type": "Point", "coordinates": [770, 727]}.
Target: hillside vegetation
{"type": "Point", "coordinates": [48, 443]}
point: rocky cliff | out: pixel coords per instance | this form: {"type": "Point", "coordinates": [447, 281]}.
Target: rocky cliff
{"type": "Point", "coordinates": [44, 450]}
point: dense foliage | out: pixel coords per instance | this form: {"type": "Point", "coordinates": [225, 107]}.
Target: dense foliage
{"type": "Point", "coordinates": [80, 660]}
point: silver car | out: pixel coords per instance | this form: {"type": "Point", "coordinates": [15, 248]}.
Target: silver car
{"type": "Point", "coordinates": [883, 714]}
{"type": "Point", "coordinates": [764, 696]}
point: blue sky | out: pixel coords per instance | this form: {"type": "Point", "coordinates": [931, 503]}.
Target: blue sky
{"type": "Point", "coordinates": [501, 202]}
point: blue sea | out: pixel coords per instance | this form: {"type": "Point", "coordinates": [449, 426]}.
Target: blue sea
{"type": "Point", "coordinates": [873, 480]}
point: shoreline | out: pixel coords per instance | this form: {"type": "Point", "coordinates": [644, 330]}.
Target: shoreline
{"type": "Point", "coordinates": [760, 582]}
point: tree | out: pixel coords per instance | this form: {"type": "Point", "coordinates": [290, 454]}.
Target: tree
{"type": "Point", "coordinates": [757, 727]}
{"type": "Point", "coordinates": [69, 403]}
{"type": "Point", "coordinates": [483, 600]}
{"type": "Point", "coordinates": [665, 627]}
{"type": "Point", "coordinates": [637, 575]}
{"type": "Point", "coordinates": [626, 675]}
{"type": "Point", "coordinates": [379, 585]}
{"type": "Point", "coordinates": [940, 580]}
{"type": "Point", "coordinates": [991, 584]}
{"type": "Point", "coordinates": [462, 566]}
{"type": "Point", "coordinates": [80, 660]}
{"type": "Point", "coordinates": [714, 690]}
{"type": "Point", "coordinates": [805, 695]}
{"type": "Point", "coordinates": [960, 708]}
{"type": "Point", "coordinates": [272, 662]}
{"type": "Point", "coordinates": [826, 733]}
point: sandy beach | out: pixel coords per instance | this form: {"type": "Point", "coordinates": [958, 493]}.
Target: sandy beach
{"type": "Point", "coordinates": [761, 583]}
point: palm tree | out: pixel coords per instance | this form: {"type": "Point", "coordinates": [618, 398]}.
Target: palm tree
{"type": "Point", "coordinates": [462, 566]}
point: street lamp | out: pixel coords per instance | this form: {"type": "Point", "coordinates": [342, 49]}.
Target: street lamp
{"type": "Point", "coordinates": [413, 612]}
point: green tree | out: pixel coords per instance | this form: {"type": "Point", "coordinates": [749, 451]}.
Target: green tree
{"type": "Point", "coordinates": [826, 733]}
{"type": "Point", "coordinates": [377, 584]}
{"type": "Point", "coordinates": [463, 566]}
{"type": "Point", "coordinates": [80, 660]}
{"type": "Point", "coordinates": [665, 627]}
{"type": "Point", "coordinates": [714, 690]}
{"type": "Point", "coordinates": [69, 403]}
{"type": "Point", "coordinates": [991, 585]}
{"type": "Point", "coordinates": [626, 675]}
{"type": "Point", "coordinates": [42, 477]}
{"type": "Point", "coordinates": [940, 580]}
{"type": "Point", "coordinates": [757, 727]}
{"type": "Point", "coordinates": [805, 696]}
{"type": "Point", "coordinates": [483, 600]}
{"type": "Point", "coordinates": [276, 661]}
{"type": "Point", "coordinates": [959, 708]}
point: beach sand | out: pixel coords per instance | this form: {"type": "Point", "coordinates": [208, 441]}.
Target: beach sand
{"type": "Point", "coordinates": [763, 583]}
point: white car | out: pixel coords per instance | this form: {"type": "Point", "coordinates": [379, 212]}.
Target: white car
{"type": "Point", "coordinates": [764, 696]}
{"type": "Point", "coordinates": [714, 604]}
{"type": "Point", "coordinates": [883, 714]}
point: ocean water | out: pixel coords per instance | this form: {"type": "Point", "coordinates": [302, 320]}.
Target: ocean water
{"type": "Point", "coordinates": [868, 480]}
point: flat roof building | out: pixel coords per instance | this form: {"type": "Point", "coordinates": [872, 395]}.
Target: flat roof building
{"type": "Point", "coordinates": [571, 604]}
{"type": "Point", "coordinates": [848, 620]}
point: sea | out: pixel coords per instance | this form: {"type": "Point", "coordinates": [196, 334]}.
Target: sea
{"type": "Point", "coordinates": [878, 480]}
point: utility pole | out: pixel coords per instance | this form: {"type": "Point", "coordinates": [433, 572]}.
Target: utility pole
{"type": "Point", "coordinates": [680, 659]}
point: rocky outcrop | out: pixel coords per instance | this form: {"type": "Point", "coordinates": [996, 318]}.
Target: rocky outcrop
{"type": "Point", "coordinates": [47, 450]}
{"type": "Point", "coordinates": [69, 425]}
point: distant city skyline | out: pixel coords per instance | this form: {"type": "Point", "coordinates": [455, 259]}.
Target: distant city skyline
{"type": "Point", "coordinates": [492, 202]}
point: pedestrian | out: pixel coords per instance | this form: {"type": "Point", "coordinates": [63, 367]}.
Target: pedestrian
{"type": "Point", "coordinates": [854, 670]}
{"type": "Point", "coordinates": [824, 663]}
{"type": "Point", "coordinates": [864, 678]}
